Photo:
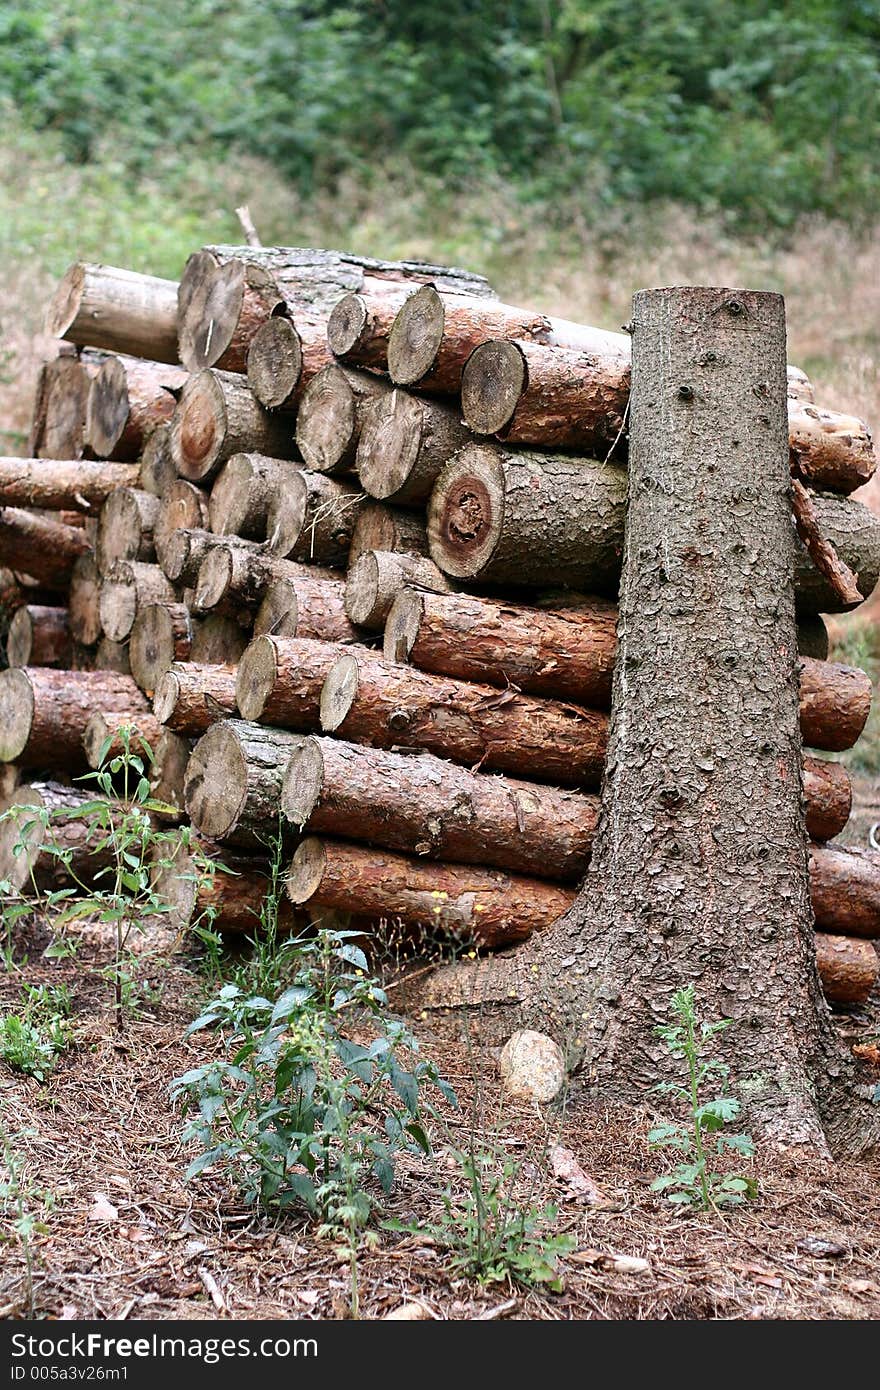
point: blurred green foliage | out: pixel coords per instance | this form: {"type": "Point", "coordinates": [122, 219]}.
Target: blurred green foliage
{"type": "Point", "coordinates": [769, 110]}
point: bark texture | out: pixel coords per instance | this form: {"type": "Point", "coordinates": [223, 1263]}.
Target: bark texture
{"type": "Point", "coordinates": [280, 680]}
{"type": "Point", "coordinates": [128, 399]}
{"type": "Point", "coordinates": [360, 325]}
{"type": "Point", "coordinates": [376, 579]}
{"type": "Point", "coordinates": [305, 607]}
{"type": "Point", "coordinates": [845, 889]}
{"type": "Point", "coordinates": [233, 577]}
{"type": "Point", "coordinates": [242, 494]}
{"type": "Point", "coordinates": [36, 545]}
{"type": "Point", "coordinates": [191, 696]}
{"type": "Point", "coordinates": [312, 517]}
{"type": "Point", "coordinates": [848, 968]}
{"type": "Point", "coordinates": [835, 702]}
{"type": "Point", "coordinates": [76, 485]}
{"type": "Point", "coordinates": [43, 712]}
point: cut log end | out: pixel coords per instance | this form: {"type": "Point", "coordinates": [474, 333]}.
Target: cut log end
{"type": "Point", "coordinates": [278, 614]}
{"type": "Point", "coordinates": [402, 626]}
{"type": "Point", "coordinates": [102, 737]}
{"type": "Point", "coordinates": [389, 444]}
{"type": "Point", "coordinates": [306, 870]}
{"type": "Point", "coordinates": [198, 427]}
{"type": "Point", "coordinates": [65, 304]}
{"type": "Point", "coordinates": [214, 579]}
{"type": "Point", "coordinates": [286, 516]}
{"type": "Point", "coordinates": [216, 782]}
{"type": "Point", "coordinates": [16, 713]}
{"type": "Point", "coordinates": [492, 382]}
{"type": "Point", "coordinates": [107, 408]}
{"type": "Point", "coordinates": [416, 336]}
{"type": "Point", "coordinates": [347, 321]}
{"type": "Point", "coordinates": [166, 696]}
{"type": "Point", "coordinates": [339, 692]}
{"type": "Point", "coordinates": [85, 592]}
{"type": "Point", "coordinates": [274, 364]}
{"type": "Point", "coordinates": [257, 672]}
{"type": "Point", "coordinates": [326, 422]}
{"type": "Point", "coordinates": [209, 305]}
{"type": "Point", "coordinates": [303, 782]}
{"type": "Point", "coordinates": [20, 836]}
{"type": "Point", "coordinates": [466, 513]}
{"type": "Point", "coordinates": [154, 643]}
{"type": "Point", "coordinates": [230, 494]}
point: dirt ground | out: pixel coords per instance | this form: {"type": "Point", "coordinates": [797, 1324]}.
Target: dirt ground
{"type": "Point", "coordinates": [127, 1237]}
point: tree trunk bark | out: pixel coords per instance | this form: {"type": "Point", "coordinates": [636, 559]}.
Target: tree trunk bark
{"type": "Point", "coordinates": [543, 519]}
{"type": "Point", "coordinates": [40, 547]}
{"type": "Point", "coordinates": [76, 485]}
{"type": "Point", "coordinates": [311, 517]}
{"type": "Point", "coordinates": [191, 696]}
{"type": "Point", "coordinates": [426, 806]}
{"type": "Point", "coordinates": [376, 579]}
{"type": "Point", "coordinates": [845, 889]}
{"type": "Point", "coordinates": [128, 399]}
{"type": "Point", "coordinates": [233, 781]}
{"type": "Point", "coordinates": [157, 470]}
{"type": "Point", "coordinates": [102, 735]}
{"type": "Point", "coordinates": [128, 588]}
{"type": "Point", "coordinates": [404, 445]}
{"type": "Point", "coordinates": [102, 306]}
{"type": "Point", "coordinates": [848, 968]}
{"type": "Point", "coordinates": [284, 356]}
{"type": "Point", "coordinates": [43, 712]}
{"type": "Point", "coordinates": [232, 577]}
{"type": "Point", "coordinates": [331, 415]}
{"type": "Point", "coordinates": [182, 508]}
{"type": "Point", "coordinates": [305, 607]}
{"type": "Point", "coordinates": [39, 637]}
{"type": "Point", "coordinates": [84, 601]}
{"type": "Point", "coordinates": [280, 680]}
{"type": "Point", "coordinates": [161, 634]}
{"type": "Point", "coordinates": [126, 527]}
{"type": "Point", "coordinates": [830, 450]}
{"type": "Point", "coordinates": [379, 527]}
{"type": "Point", "coordinates": [699, 871]}
{"type": "Point", "coordinates": [478, 906]}
{"type": "Point", "coordinates": [217, 416]}
{"type": "Point", "coordinates": [370, 701]}
{"type": "Point", "coordinates": [242, 494]}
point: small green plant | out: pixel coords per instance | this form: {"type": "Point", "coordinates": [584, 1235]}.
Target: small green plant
{"type": "Point", "coordinates": [20, 1207]}
{"type": "Point", "coordinates": [32, 1038]}
{"type": "Point", "coordinates": [300, 1112]}
{"type": "Point", "coordinates": [266, 969]}
{"type": "Point", "coordinates": [691, 1182]}
{"type": "Point", "coordinates": [492, 1232]}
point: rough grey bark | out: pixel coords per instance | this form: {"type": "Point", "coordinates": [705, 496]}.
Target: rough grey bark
{"type": "Point", "coordinates": [699, 871]}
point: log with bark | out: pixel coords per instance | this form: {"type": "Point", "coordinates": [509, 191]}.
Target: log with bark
{"type": "Point", "coordinates": [540, 520]}
{"type": "Point", "coordinates": [331, 414]}
{"type": "Point", "coordinates": [284, 356]}
{"type": "Point", "coordinates": [41, 831]}
{"type": "Point", "coordinates": [161, 634]}
{"type": "Point", "coordinates": [127, 588]}
{"type": "Point", "coordinates": [829, 450]}
{"type": "Point", "coordinates": [426, 806]}
{"type": "Point", "coordinates": [218, 416]}
{"type": "Point", "coordinates": [217, 641]}
{"type": "Point", "coordinates": [39, 636]}
{"type": "Point", "coordinates": [182, 507]}
{"type": "Point", "coordinates": [404, 445]}
{"type": "Point", "coordinates": [476, 905]}
{"type": "Point", "coordinates": [359, 326]}
{"type": "Point", "coordinates": [126, 527]}
{"type": "Point", "coordinates": [233, 781]}
{"type": "Point", "coordinates": [128, 399]}
{"type": "Point", "coordinates": [305, 607]}
{"type": "Point", "coordinates": [378, 577]}
{"type": "Point", "coordinates": [112, 656]}
{"type": "Point", "coordinates": [84, 600]}
{"type": "Point", "coordinates": [59, 418]}
{"type": "Point", "coordinates": [371, 701]}
{"type": "Point", "coordinates": [312, 517]}
{"type": "Point", "coordinates": [62, 484]}
{"type": "Point", "coordinates": [243, 491]}
{"type": "Point", "coordinates": [835, 702]}
{"type": "Point", "coordinates": [104, 736]}
{"type": "Point", "coordinates": [191, 696]}
{"type": "Point", "coordinates": [280, 680]}
{"type": "Point", "coordinates": [380, 527]}
{"type": "Point", "coordinates": [41, 547]}
{"type": "Point", "coordinates": [157, 469]}
{"type": "Point", "coordinates": [828, 797]}
{"type": "Point", "coordinates": [18, 590]}
{"type": "Point", "coordinates": [228, 292]}
{"type": "Point", "coordinates": [103, 306]}
{"type": "Point", "coordinates": [167, 774]}
{"type": "Point", "coordinates": [43, 712]}
{"type": "Point", "coordinates": [234, 578]}
{"type": "Point", "coordinates": [230, 898]}
{"type": "Point", "coordinates": [181, 553]}
{"type": "Point", "coordinates": [845, 889]}
{"type": "Point", "coordinates": [848, 968]}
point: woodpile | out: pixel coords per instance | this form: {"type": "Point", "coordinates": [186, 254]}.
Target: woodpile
{"type": "Point", "coordinates": [342, 539]}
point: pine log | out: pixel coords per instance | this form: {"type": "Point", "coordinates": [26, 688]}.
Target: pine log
{"type": "Point", "coordinates": [119, 310]}
{"type": "Point", "coordinates": [331, 414]}
{"type": "Point", "coordinates": [478, 906]}
{"type": "Point", "coordinates": [157, 469]}
{"type": "Point", "coordinates": [61, 484]}
{"type": "Point", "coordinates": [404, 445]}
{"type": "Point", "coordinates": [183, 551]}
{"type": "Point", "coordinates": [36, 865]}
{"type": "Point", "coordinates": [543, 520]}
{"type": "Point", "coordinates": [128, 587]}
{"type": "Point", "coordinates": [360, 325]}
{"type": "Point", "coordinates": [828, 797]}
{"type": "Point", "coordinates": [39, 636]}
{"type": "Point", "coordinates": [312, 517]}
{"type": "Point", "coordinates": [191, 696]}
{"type": "Point", "coordinates": [305, 607]}
{"type": "Point", "coordinates": [103, 740]}
{"type": "Point", "coordinates": [162, 633]}
{"type": "Point", "coordinates": [233, 781]}
{"type": "Point", "coordinates": [284, 357]}
{"type": "Point", "coordinates": [167, 774]}
{"type": "Point", "coordinates": [376, 579]}
{"type": "Point", "coordinates": [233, 894]}
{"type": "Point", "coordinates": [84, 601]}
{"type": "Point", "coordinates": [126, 527]}
{"type": "Point", "coordinates": [835, 702]}
{"type": "Point", "coordinates": [18, 590]}
{"type": "Point", "coordinates": [128, 399]}
{"type": "Point", "coordinates": [565, 651]}
{"type": "Point", "coordinates": [845, 890]}
{"type": "Point", "coordinates": [217, 416]}
{"type": "Point", "coordinates": [112, 656]}
{"type": "Point", "coordinates": [235, 578]}
{"type": "Point", "coordinates": [426, 806]}
{"type": "Point", "coordinates": [829, 450]}
{"type": "Point", "coordinates": [371, 701]}
{"type": "Point", "coordinates": [182, 507]}
{"type": "Point", "coordinates": [848, 968]}
{"type": "Point", "coordinates": [40, 547]}
{"type": "Point", "coordinates": [243, 491]}
{"type": "Point", "coordinates": [217, 641]}
{"type": "Point", "coordinates": [43, 712]}
{"type": "Point", "coordinates": [59, 419]}
{"type": "Point", "coordinates": [380, 527]}
{"type": "Point", "coordinates": [280, 680]}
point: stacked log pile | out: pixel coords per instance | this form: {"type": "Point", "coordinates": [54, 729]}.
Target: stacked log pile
{"type": "Point", "coordinates": [342, 538]}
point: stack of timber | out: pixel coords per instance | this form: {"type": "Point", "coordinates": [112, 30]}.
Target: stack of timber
{"type": "Point", "coordinates": [342, 539]}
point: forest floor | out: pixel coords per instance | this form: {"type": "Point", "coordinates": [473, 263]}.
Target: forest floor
{"type": "Point", "coordinates": [125, 1236]}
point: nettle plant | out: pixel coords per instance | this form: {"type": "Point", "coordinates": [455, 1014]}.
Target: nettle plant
{"type": "Point", "coordinates": [298, 1112]}
{"type": "Point", "coordinates": [702, 1134]}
